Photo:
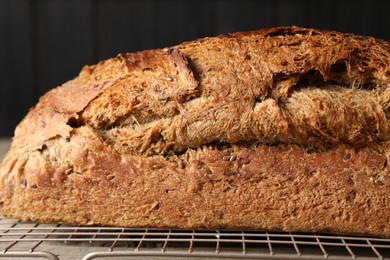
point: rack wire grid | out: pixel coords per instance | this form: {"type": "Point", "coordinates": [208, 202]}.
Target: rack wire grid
{"type": "Point", "coordinates": [55, 241]}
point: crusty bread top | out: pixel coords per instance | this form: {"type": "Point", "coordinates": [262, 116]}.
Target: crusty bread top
{"type": "Point", "coordinates": [314, 88]}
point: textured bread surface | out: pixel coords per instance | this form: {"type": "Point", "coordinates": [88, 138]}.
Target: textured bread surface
{"type": "Point", "coordinates": [280, 129]}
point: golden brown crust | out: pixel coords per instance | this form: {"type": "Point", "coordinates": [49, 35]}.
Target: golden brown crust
{"type": "Point", "coordinates": [281, 129]}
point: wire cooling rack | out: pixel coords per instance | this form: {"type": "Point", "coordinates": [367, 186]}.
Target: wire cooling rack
{"type": "Point", "coordinates": [36, 241]}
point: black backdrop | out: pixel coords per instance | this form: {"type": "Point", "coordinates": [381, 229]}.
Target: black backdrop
{"type": "Point", "coordinates": [43, 43]}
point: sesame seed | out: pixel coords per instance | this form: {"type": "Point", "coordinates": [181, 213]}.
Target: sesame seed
{"type": "Point", "coordinates": [232, 158]}
{"type": "Point", "coordinates": [181, 164]}
{"type": "Point", "coordinates": [347, 156]}
{"type": "Point", "coordinates": [157, 166]}
{"type": "Point", "coordinates": [245, 161]}
{"type": "Point", "coordinates": [110, 177]}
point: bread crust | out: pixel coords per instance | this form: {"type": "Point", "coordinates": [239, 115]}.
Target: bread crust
{"type": "Point", "coordinates": [279, 129]}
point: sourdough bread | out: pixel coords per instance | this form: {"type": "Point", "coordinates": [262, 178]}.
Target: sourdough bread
{"type": "Point", "coordinates": [280, 129]}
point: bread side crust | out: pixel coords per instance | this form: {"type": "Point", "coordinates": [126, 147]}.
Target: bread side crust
{"type": "Point", "coordinates": [275, 188]}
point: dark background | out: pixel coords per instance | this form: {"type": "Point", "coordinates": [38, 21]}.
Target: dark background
{"type": "Point", "coordinates": [44, 43]}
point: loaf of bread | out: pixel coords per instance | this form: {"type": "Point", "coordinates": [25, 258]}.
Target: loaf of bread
{"type": "Point", "coordinates": [281, 129]}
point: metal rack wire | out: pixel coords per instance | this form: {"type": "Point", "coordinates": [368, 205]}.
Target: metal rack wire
{"type": "Point", "coordinates": [33, 240]}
